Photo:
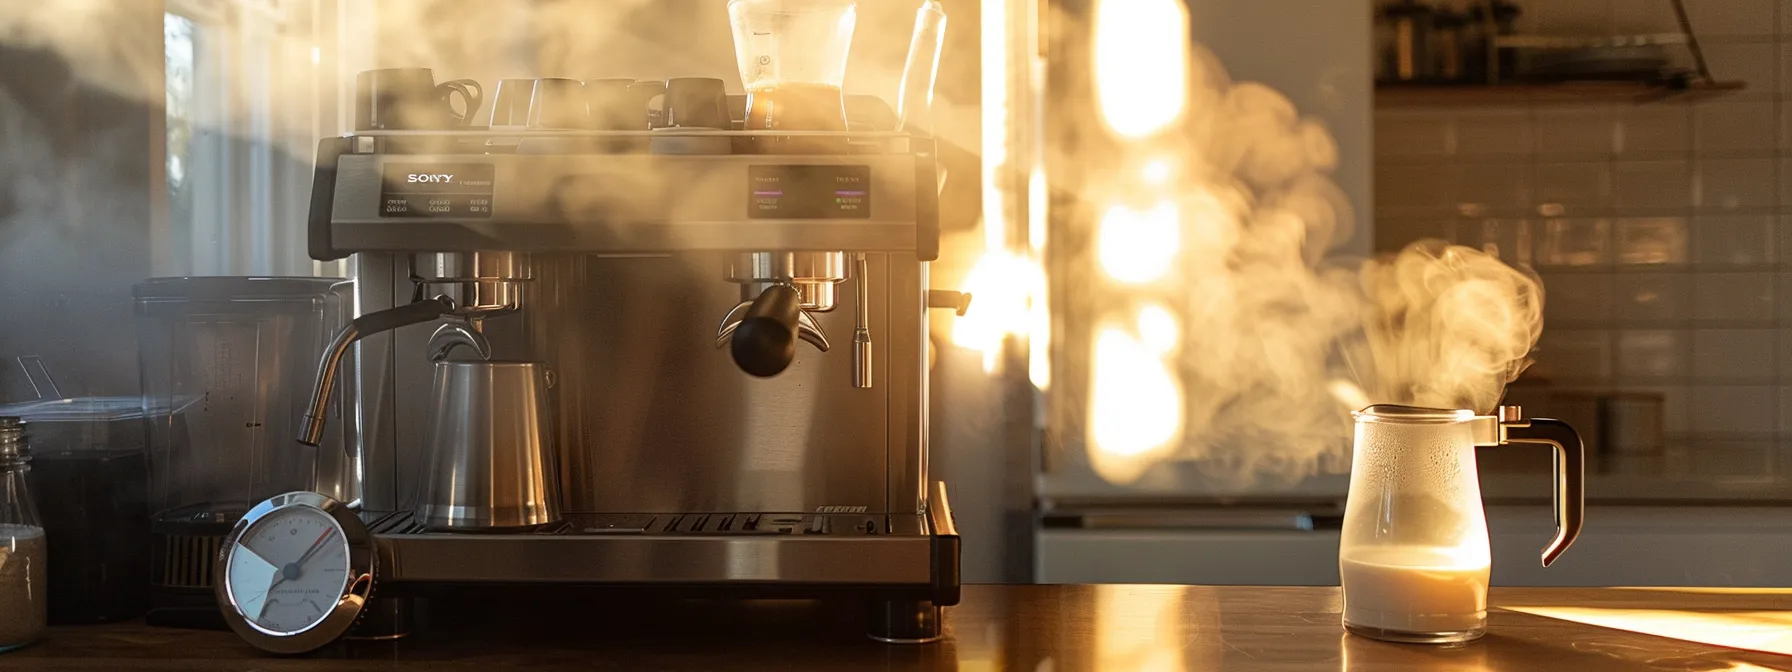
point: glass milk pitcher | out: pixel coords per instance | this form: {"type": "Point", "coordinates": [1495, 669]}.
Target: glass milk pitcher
{"type": "Point", "coordinates": [1413, 557]}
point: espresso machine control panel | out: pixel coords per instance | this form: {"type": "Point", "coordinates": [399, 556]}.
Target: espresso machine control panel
{"type": "Point", "coordinates": [441, 191]}
{"type": "Point", "coordinates": [809, 192]}
{"type": "Point", "coordinates": [373, 200]}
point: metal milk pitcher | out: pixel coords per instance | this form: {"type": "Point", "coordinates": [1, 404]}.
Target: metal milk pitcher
{"type": "Point", "coordinates": [491, 462]}
{"type": "Point", "coordinates": [1413, 556]}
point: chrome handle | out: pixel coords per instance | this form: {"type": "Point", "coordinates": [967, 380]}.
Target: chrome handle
{"type": "Point", "coordinates": [1570, 475]}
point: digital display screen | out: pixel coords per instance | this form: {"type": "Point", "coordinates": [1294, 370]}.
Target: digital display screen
{"type": "Point", "coordinates": [809, 192]}
{"type": "Point", "coordinates": [446, 190]}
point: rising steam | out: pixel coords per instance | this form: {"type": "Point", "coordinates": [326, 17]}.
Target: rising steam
{"type": "Point", "coordinates": [1449, 326]}
{"type": "Point", "coordinates": [282, 63]}
{"type": "Point", "coordinates": [1224, 332]}
{"type": "Point", "coordinates": [1279, 341]}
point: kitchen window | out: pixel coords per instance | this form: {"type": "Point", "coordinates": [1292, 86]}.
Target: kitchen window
{"type": "Point", "coordinates": [251, 85]}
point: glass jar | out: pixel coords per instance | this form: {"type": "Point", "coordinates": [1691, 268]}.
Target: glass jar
{"type": "Point", "coordinates": [23, 609]}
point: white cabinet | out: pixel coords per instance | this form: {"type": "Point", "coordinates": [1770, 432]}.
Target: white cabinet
{"type": "Point", "coordinates": [1620, 546]}
{"type": "Point", "coordinates": [1209, 557]}
{"type": "Point", "coordinates": [1647, 546]}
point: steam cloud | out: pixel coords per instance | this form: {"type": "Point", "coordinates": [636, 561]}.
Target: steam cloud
{"type": "Point", "coordinates": [1449, 326]}
{"type": "Point", "coordinates": [1275, 333]}
{"type": "Point", "coordinates": [283, 63]}
{"type": "Point", "coordinates": [1282, 342]}
{"type": "Point", "coordinates": [109, 45]}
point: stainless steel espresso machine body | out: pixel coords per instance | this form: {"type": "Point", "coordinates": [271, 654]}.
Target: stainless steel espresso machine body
{"type": "Point", "coordinates": [687, 454]}
{"type": "Point", "coordinates": [679, 349]}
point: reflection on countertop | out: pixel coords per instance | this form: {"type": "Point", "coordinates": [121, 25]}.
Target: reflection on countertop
{"type": "Point", "coordinates": [1024, 628]}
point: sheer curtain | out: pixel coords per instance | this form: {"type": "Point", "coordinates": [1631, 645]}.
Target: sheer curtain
{"type": "Point", "coordinates": [251, 86]}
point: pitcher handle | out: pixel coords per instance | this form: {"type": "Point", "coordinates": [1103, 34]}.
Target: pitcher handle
{"type": "Point", "coordinates": [1570, 476]}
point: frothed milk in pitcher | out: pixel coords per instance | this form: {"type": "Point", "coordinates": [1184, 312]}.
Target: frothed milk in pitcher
{"type": "Point", "coordinates": [1414, 588]}
{"type": "Point", "coordinates": [1413, 557]}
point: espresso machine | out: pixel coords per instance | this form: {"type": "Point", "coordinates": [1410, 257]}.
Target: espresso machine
{"type": "Point", "coordinates": [679, 356]}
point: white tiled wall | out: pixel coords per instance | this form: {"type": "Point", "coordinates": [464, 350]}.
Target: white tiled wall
{"type": "Point", "coordinates": [1659, 228]}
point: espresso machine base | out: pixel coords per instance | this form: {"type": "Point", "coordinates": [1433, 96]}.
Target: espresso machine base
{"type": "Point", "coordinates": [908, 555]}
{"type": "Point", "coordinates": [903, 567]}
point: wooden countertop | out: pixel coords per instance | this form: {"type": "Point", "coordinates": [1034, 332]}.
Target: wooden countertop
{"type": "Point", "coordinates": [1027, 628]}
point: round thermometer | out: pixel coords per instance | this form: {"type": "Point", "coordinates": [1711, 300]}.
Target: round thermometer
{"type": "Point", "coordinates": [295, 572]}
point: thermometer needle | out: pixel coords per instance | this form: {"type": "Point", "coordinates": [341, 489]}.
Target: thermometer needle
{"type": "Point", "coordinates": [292, 570]}
{"type": "Point", "coordinates": [319, 543]}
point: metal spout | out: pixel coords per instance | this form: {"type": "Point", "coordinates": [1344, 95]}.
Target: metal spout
{"type": "Point", "coordinates": [861, 332]}
{"type": "Point", "coordinates": [311, 429]}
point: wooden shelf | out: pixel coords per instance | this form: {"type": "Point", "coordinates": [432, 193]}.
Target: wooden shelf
{"type": "Point", "coordinates": [1496, 95]}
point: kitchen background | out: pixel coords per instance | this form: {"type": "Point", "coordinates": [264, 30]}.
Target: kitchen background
{"type": "Point", "coordinates": [1651, 211]}
{"type": "Point", "coordinates": [1655, 224]}
{"type": "Point", "coordinates": [1654, 221]}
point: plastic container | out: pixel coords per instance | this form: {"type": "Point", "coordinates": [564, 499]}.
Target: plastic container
{"type": "Point", "coordinates": [91, 473]}
{"type": "Point", "coordinates": [244, 352]}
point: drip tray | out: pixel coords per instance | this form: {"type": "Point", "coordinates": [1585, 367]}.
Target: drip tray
{"type": "Point", "coordinates": [670, 548]}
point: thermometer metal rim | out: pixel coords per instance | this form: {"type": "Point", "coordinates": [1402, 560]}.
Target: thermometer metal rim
{"type": "Point", "coordinates": [357, 587]}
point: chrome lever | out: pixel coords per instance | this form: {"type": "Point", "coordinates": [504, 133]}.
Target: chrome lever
{"type": "Point", "coordinates": [730, 322]}
{"type": "Point", "coordinates": [809, 330]}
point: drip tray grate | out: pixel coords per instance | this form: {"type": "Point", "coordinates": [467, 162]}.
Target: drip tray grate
{"type": "Point", "coordinates": [693, 524]}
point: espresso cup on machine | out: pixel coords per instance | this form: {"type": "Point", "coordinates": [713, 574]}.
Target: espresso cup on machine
{"type": "Point", "coordinates": [490, 445]}
{"type": "Point", "coordinates": [510, 103]}
{"type": "Point", "coordinates": [695, 104]}
{"type": "Point", "coordinates": [609, 101]}
{"type": "Point", "coordinates": [621, 105]}
{"type": "Point", "coordinates": [558, 104]}
{"type": "Point", "coordinates": [409, 99]}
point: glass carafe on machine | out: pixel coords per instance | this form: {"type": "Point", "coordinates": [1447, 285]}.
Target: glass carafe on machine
{"type": "Point", "coordinates": [1413, 556]}
{"type": "Point", "coordinates": [792, 56]}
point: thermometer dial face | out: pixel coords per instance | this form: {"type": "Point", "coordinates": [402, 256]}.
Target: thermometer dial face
{"type": "Point", "coordinates": [288, 570]}
{"type": "Point", "coordinates": [295, 572]}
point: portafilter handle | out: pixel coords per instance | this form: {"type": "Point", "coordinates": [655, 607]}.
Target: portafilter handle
{"type": "Point", "coordinates": [311, 430]}
{"type": "Point", "coordinates": [764, 342]}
